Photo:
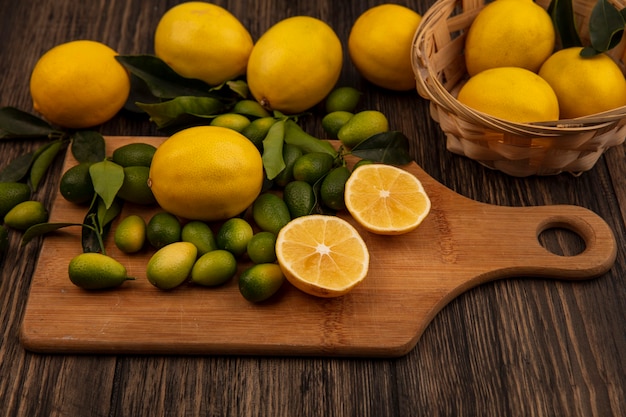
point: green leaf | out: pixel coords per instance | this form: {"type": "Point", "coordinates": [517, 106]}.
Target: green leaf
{"type": "Point", "coordinates": [88, 146]}
{"type": "Point", "coordinates": [42, 161]}
{"type": "Point", "coordinates": [388, 147]}
{"type": "Point", "coordinates": [98, 220]}
{"type": "Point", "coordinates": [606, 26]}
{"type": "Point", "coordinates": [106, 215]}
{"type": "Point", "coordinates": [17, 169]}
{"type": "Point", "coordinates": [107, 177]}
{"type": "Point", "coordinates": [180, 109]}
{"type": "Point", "coordinates": [563, 18]}
{"type": "Point", "coordinates": [43, 228]}
{"type": "Point", "coordinates": [139, 93]}
{"type": "Point", "coordinates": [15, 123]}
{"type": "Point", "coordinates": [273, 161]}
{"type": "Point", "coordinates": [160, 78]}
{"type": "Point", "coordinates": [240, 87]}
{"type": "Point", "coordinates": [295, 135]}
{"type": "Point", "coordinates": [91, 236]}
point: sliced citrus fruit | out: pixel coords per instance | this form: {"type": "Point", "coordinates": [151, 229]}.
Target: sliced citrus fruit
{"type": "Point", "coordinates": [322, 255]}
{"type": "Point", "coordinates": [385, 199]}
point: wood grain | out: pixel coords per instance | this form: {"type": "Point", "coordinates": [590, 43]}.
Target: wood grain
{"type": "Point", "coordinates": [460, 245]}
{"type": "Point", "coordinates": [521, 346]}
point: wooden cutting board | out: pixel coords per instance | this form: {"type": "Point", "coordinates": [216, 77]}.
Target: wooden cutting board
{"type": "Point", "coordinates": [461, 244]}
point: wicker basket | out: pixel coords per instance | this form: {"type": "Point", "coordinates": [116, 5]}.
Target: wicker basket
{"type": "Point", "coordinates": [518, 149]}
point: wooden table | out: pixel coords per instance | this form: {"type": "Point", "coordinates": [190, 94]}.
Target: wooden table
{"type": "Point", "coordinates": [516, 347]}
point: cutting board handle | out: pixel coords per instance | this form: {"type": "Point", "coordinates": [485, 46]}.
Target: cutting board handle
{"type": "Point", "coordinates": [596, 259]}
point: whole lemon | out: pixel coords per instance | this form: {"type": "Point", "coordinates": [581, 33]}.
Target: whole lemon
{"type": "Point", "coordinates": [294, 64]}
{"type": "Point", "coordinates": [380, 43]}
{"type": "Point", "coordinates": [509, 33]}
{"type": "Point", "coordinates": [203, 41]}
{"type": "Point", "coordinates": [584, 85]}
{"type": "Point", "coordinates": [206, 173]}
{"type": "Point", "coordinates": [511, 93]}
{"type": "Point", "coordinates": [79, 84]}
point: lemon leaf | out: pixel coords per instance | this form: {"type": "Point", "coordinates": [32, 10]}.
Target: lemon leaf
{"type": "Point", "coordinates": [97, 224]}
{"type": "Point", "coordinates": [107, 214]}
{"type": "Point", "coordinates": [43, 228]}
{"type": "Point", "coordinates": [107, 177]}
{"type": "Point", "coordinates": [160, 78]}
{"type": "Point", "coordinates": [387, 147]}
{"type": "Point", "coordinates": [15, 123]}
{"type": "Point", "coordinates": [139, 93]}
{"type": "Point", "coordinates": [180, 111]}
{"type": "Point", "coordinates": [88, 146]}
{"type": "Point", "coordinates": [295, 135]}
{"type": "Point", "coordinates": [240, 87]}
{"type": "Point", "coordinates": [91, 236]}
{"type": "Point", "coordinates": [606, 26]}
{"type": "Point", "coordinates": [562, 14]}
{"type": "Point", "coordinates": [17, 168]}
{"type": "Point", "coordinates": [42, 161]}
{"type": "Point", "coordinates": [272, 157]}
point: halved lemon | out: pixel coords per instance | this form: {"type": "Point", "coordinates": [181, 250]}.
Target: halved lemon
{"type": "Point", "coordinates": [385, 199]}
{"type": "Point", "coordinates": [322, 255]}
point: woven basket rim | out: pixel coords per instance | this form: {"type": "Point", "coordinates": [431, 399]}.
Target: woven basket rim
{"type": "Point", "coordinates": [429, 86]}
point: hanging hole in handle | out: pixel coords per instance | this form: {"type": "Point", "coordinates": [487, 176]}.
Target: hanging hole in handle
{"type": "Point", "coordinates": [561, 241]}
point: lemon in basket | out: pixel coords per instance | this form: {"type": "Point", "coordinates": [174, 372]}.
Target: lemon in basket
{"type": "Point", "coordinates": [511, 93]}
{"type": "Point", "coordinates": [380, 43]}
{"type": "Point", "coordinates": [584, 85]}
{"type": "Point", "coordinates": [509, 33]}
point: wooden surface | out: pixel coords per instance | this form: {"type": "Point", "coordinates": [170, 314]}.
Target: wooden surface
{"type": "Point", "coordinates": [411, 277]}
{"type": "Point", "coordinates": [523, 346]}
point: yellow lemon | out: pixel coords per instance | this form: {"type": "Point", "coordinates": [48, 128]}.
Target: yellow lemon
{"type": "Point", "coordinates": [79, 84]}
{"type": "Point", "coordinates": [385, 199]}
{"type": "Point", "coordinates": [206, 173]}
{"type": "Point", "coordinates": [203, 41]}
{"type": "Point", "coordinates": [295, 64]}
{"type": "Point", "coordinates": [511, 93]}
{"type": "Point", "coordinates": [322, 255]}
{"type": "Point", "coordinates": [509, 33]}
{"type": "Point", "coordinates": [584, 86]}
{"type": "Point", "coordinates": [380, 43]}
